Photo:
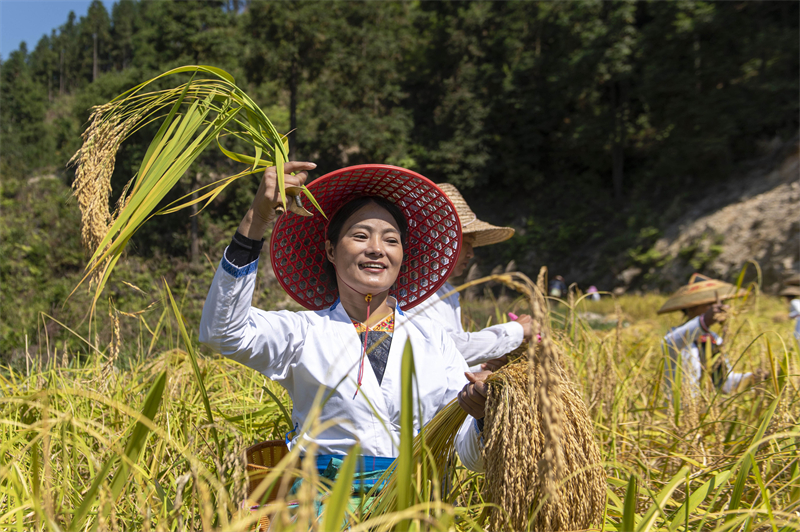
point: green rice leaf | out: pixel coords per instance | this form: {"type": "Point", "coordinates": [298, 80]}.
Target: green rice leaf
{"type": "Point", "coordinates": [405, 457]}
{"type": "Point", "coordinates": [335, 507]}
{"type": "Point", "coordinates": [697, 497]}
{"type": "Point", "coordinates": [660, 501]}
{"type": "Point", "coordinates": [195, 367]}
{"type": "Point", "coordinates": [747, 461]}
{"type": "Point", "coordinates": [629, 506]}
{"type": "Point", "coordinates": [313, 201]}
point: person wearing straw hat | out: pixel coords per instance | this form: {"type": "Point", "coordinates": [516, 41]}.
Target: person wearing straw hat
{"type": "Point", "coordinates": [792, 292]}
{"type": "Point", "coordinates": [484, 349]}
{"type": "Point", "coordinates": [701, 301]}
{"type": "Point", "coordinates": [389, 241]}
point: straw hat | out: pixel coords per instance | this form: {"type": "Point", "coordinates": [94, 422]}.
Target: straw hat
{"type": "Point", "coordinates": [791, 291]}
{"type": "Point", "coordinates": [794, 280]}
{"type": "Point", "coordinates": [700, 291]}
{"type": "Point", "coordinates": [297, 244]}
{"type": "Point", "coordinates": [485, 233]}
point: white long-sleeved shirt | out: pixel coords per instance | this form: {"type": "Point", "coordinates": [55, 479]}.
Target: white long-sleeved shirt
{"type": "Point", "coordinates": [476, 347]}
{"type": "Point", "coordinates": [795, 313]}
{"type": "Point", "coordinates": [320, 350]}
{"type": "Point", "coordinates": [681, 344]}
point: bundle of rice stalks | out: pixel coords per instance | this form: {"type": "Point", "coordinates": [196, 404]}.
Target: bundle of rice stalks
{"type": "Point", "coordinates": [523, 475]}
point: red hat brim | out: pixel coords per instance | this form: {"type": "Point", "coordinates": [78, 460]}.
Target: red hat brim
{"type": "Point", "coordinates": [432, 246]}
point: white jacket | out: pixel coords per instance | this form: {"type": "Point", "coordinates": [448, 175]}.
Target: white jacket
{"type": "Point", "coordinates": [309, 350]}
{"type": "Point", "coordinates": [476, 347]}
{"type": "Point", "coordinates": [681, 340]}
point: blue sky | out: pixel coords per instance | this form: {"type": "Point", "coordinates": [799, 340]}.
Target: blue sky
{"type": "Point", "coordinates": [28, 20]}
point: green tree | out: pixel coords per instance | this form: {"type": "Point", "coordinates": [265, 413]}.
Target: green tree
{"type": "Point", "coordinates": [44, 64]}
{"type": "Point", "coordinates": [124, 25]}
{"type": "Point", "coordinates": [23, 108]}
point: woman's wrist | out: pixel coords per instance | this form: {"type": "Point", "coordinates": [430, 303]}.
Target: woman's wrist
{"type": "Point", "coordinates": [254, 225]}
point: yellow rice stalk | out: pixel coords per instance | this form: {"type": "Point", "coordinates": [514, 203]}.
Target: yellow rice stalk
{"type": "Point", "coordinates": [433, 445]}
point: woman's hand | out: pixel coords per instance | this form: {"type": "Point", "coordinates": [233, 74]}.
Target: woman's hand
{"type": "Point", "coordinates": [716, 313]}
{"type": "Point", "coordinates": [268, 197]}
{"type": "Point", "coordinates": [527, 323]}
{"type": "Point", "coordinates": [495, 363]}
{"type": "Point", "coordinates": [472, 398]}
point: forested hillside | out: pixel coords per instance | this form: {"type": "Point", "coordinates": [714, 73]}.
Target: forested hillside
{"type": "Point", "coordinates": [579, 123]}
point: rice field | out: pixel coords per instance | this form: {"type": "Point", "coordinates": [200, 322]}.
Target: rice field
{"type": "Point", "coordinates": [95, 440]}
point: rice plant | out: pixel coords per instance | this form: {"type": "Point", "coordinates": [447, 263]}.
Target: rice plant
{"type": "Point", "coordinates": [193, 116]}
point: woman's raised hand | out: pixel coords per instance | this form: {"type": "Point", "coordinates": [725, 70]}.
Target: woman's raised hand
{"type": "Point", "coordinates": [268, 197]}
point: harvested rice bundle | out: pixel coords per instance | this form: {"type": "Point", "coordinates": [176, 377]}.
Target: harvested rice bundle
{"type": "Point", "coordinates": [522, 477]}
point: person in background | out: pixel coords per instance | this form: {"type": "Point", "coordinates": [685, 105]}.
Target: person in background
{"type": "Point", "coordinates": [593, 293]}
{"type": "Point", "coordinates": [701, 302]}
{"type": "Point", "coordinates": [485, 348]}
{"type": "Point", "coordinates": [558, 287]}
{"type": "Point", "coordinates": [792, 295]}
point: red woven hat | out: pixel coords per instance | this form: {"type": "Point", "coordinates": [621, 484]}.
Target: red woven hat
{"type": "Point", "coordinates": [434, 234]}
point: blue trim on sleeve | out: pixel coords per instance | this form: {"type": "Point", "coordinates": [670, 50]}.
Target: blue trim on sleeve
{"type": "Point", "coordinates": [236, 272]}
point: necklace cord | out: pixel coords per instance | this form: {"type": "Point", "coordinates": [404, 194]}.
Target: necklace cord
{"type": "Point", "coordinates": [368, 299]}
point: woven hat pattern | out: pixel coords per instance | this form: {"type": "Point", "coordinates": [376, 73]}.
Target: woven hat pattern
{"type": "Point", "coordinates": [485, 233]}
{"type": "Point", "coordinates": [699, 291]}
{"type": "Point", "coordinates": [432, 246]}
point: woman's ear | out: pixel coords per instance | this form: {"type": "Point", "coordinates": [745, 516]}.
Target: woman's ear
{"type": "Point", "coordinates": [329, 252]}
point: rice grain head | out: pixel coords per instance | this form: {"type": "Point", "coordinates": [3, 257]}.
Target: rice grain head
{"type": "Point", "coordinates": [95, 164]}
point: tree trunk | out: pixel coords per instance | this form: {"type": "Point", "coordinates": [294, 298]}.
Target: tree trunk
{"type": "Point", "coordinates": [618, 97]}
{"type": "Point", "coordinates": [194, 251]}
{"type": "Point", "coordinates": [293, 111]}
{"type": "Point", "coordinates": [94, 56]}
{"type": "Point", "coordinates": [698, 63]}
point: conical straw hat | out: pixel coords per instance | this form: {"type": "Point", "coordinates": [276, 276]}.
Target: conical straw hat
{"type": "Point", "coordinates": [791, 291]}
{"type": "Point", "coordinates": [700, 291]}
{"type": "Point", "coordinates": [434, 236]}
{"type": "Point", "coordinates": [485, 233]}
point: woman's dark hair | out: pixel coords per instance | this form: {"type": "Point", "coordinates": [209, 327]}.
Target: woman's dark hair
{"type": "Point", "coordinates": [345, 211]}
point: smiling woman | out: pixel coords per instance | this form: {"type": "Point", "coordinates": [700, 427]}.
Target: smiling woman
{"type": "Point", "coordinates": [370, 247]}
{"type": "Point", "coordinates": [392, 240]}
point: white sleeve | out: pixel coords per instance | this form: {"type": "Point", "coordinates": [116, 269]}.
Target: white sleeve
{"type": "Point", "coordinates": [264, 341]}
{"type": "Point", "coordinates": [680, 337]}
{"type": "Point", "coordinates": [489, 343]}
{"type": "Point", "coordinates": [678, 344]}
{"type": "Point", "coordinates": [475, 347]}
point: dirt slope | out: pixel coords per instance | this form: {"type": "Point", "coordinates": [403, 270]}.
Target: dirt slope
{"type": "Point", "coordinates": [756, 217]}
